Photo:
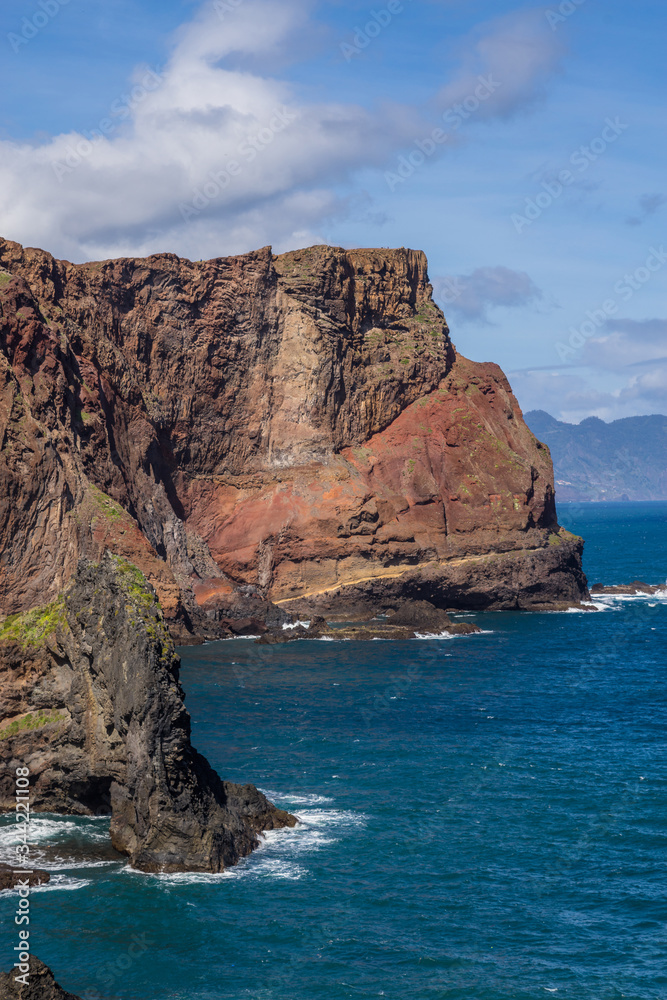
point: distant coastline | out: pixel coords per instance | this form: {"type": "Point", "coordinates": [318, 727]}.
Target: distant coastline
{"type": "Point", "coordinates": [596, 462]}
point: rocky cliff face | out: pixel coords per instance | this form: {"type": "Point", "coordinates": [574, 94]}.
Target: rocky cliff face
{"type": "Point", "coordinates": [295, 429]}
{"type": "Point", "coordinates": [91, 703]}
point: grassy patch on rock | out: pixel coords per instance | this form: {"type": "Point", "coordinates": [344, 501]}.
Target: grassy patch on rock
{"type": "Point", "coordinates": [32, 628]}
{"type": "Point", "coordinates": [33, 720]}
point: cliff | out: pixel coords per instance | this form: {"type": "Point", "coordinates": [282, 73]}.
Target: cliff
{"type": "Point", "coordinates": [622, 460]}
{"type": "Point", "coordinates": [293, 430]}
{"type": "Point", "coordinates": [90, 700]}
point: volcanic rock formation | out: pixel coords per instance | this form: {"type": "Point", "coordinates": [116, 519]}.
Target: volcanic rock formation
{"type": "Point", "coordinates": [41, 984]}
{"type": "Point", "coordinates": [91, 703]}
{"type": "Point", "coordinates": [295, 429]}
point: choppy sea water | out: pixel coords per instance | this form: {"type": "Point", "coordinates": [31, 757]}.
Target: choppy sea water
{"type": "Point", "coordinates": [482, 817]}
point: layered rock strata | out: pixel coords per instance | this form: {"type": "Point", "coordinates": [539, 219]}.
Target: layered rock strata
{"type": "Point", "coordinates": [264, 434]}
{"type": "Point", "coordinates": [91, 702]}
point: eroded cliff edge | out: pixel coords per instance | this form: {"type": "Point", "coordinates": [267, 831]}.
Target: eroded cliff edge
{"type": "Point", "coordinates": [90, 701]}
{"type": "Point", "coordinates": [297, 429]}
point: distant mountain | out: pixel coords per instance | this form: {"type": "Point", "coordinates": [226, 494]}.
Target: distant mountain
{"type": "Point", "coordinates": [593, 460]}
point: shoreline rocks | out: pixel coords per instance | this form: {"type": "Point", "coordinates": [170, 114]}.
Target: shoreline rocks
{"type": "Point", "coordinates": [413, 618]}
{"type": "Point", "coordinates": [41, 984]}
{"type": "Point", "coordinates": [630, 589]}
{"type": "Point", "coordinates": [9, 878]}
{"type": "Point", "coordinates": [91, 702]}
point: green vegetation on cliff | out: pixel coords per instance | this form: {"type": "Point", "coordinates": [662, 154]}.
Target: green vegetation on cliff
{"type": "Point", "coordinates": [32, 628]}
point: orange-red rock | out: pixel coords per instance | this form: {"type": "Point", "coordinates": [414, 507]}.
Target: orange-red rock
{"type": "Point", "coordinates": [295, 427]}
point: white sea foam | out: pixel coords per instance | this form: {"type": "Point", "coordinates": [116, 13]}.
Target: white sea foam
{"type": "Point", "coordinates": [330, 817]}
{"type": "Point", "coordinates": [288, 625]}
{"type": "Point", "coordinates": [60, 883]}
{"type": "Point", "coordinates": [587, 608]}
{"type": "Point", "coordinates": [289, 799]}
{"type": "Point", "coordinates": [434, 635]}
{"type": "Point", "coordinates": [48, 828]}
{"type": "Point", "coordinates": [449, 635]}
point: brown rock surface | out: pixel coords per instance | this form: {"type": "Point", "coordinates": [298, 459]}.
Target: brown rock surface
{"type": "Point", "coordinates": [297, 429]}
{"type": "Point", "coordinates": [9, 877]}
{"type": "Point", "coordinates": [41, 984]}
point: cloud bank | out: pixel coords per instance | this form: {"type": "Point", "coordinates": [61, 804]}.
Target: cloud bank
{"type": "Point", "coordinates": [211, 155]}
{"type": "Point", "coordinates": [633, 351]}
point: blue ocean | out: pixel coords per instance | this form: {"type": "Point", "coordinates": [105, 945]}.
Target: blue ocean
{"type": "Point", "coordinates": [482, 817]}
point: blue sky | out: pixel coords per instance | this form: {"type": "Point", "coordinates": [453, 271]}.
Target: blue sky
{"type": "Point", "coordinates": [134, 127]}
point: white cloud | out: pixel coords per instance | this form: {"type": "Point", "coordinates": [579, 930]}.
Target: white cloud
{"type": "Point", "coordinates": [628, 343]}
{"type": "Point", "coordinates": [202, 160]}
{"type": "Point", "coordinates": [574, 394]}
{"type": "Point", "coordinates": [218, 156]}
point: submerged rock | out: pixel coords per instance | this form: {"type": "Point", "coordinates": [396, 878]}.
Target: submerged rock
{"type": "Point", "coordinates": [91, 701]}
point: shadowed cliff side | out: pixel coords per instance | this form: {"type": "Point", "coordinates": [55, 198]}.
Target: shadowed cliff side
{"type": "Point", "coordinates": [91, 702]}
{"type": "Point", "coordinates": [293, 428]}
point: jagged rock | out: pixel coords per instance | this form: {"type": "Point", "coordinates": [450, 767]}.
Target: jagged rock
{"type": "Point", "coordinates": [41, 984]}
{"type": "Point", "coordinates": [413, 619]}
{"type": "Point", "coordinates": [9, 878]}
{"type": "Point", "coordinates": [314, 630]}
{"type": "Point", "coordinates": [91, 702]}
{"type": "Point", "coordinates": [294, 430]}
{"type": "Point", "coordinates": [463, 628]}
{"type": "Point", "coordinates": [420, 615]}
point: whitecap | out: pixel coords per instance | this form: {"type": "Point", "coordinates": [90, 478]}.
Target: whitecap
{"type": "Point", "coordinates": [62, 882]}
{"type": "Point", "coordinates": [289, 799]}
{"type": "Point", "coordinates": [331, 817]}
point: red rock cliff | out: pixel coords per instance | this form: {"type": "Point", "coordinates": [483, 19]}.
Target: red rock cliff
{"type": "Point", "coordinates": [295, 427]}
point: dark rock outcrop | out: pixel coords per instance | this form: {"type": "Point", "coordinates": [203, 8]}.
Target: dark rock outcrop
{"type": "Point", "coordinates": [629, 589]}
{"type": "Point", "coordinates": [41, 984]}
{"type": "Point", "coordinates": [91, 702]}
{"type": "Point", "coordinates": [420, 615]}
{"type": "Point", "coordinates": [258, 430]}
{"type": "Point", "coordinates": [9, 878]}
{"type": "Point", "coordinates": [414, 618]}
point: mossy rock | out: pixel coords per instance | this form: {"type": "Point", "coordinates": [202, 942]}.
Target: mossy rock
{"type": "Point", "coordinates": [32, 628]}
